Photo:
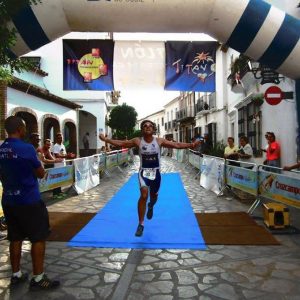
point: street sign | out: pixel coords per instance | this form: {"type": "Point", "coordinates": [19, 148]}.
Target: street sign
{"type": "Point", "coordinates": [273, 95]}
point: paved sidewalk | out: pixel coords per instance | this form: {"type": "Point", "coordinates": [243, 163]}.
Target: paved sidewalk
{"type": "Point", "coordinates": [220, 272]}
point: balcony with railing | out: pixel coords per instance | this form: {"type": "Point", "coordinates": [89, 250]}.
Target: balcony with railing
{"type": "Point", "coordinates": [212, 101]}
{"type": "Point", "coordinates": [168, 126]}
{"type": "Point", "coordinates": [205, 103]}
{"type": "Point", "coordinates": [185, 114]}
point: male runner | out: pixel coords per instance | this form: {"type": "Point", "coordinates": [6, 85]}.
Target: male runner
{"type": "Point", "coordinates": [149, 172]}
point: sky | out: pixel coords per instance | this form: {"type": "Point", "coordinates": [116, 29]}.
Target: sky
{"type": "Point", "coordinates": [147, 102]}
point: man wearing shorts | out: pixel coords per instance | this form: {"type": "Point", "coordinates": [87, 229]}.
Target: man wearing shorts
{"type": "Point", "coordinates": [149, 172]}
{"type": "Point", "coordinates": [25, 213]}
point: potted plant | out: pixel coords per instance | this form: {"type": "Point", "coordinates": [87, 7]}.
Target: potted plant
{"type": "Point", "coordinates": [258, 99]}
{"type": "Point", "coordinates": [239, 65]}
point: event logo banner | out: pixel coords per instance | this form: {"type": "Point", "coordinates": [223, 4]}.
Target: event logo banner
{"type": "Point", "coordinates": [88, 64]}
{"type": "Point", "coordinates": [190, 66]}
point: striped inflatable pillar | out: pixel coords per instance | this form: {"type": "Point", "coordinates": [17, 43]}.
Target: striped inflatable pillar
{"type": "Point", "coordinates": [298, 115]}
{"type": "Point", "coordinates": [268, 35]}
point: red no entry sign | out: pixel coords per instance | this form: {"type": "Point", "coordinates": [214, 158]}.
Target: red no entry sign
{"type": "Point", "coordinates": [273, 95]}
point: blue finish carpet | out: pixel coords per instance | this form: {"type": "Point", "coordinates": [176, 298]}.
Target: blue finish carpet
{"type": "Point", "coordinates": [173, 226]}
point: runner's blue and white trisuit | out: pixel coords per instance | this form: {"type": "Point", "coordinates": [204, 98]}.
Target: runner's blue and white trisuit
{"type": "Point", "coordinates": [149, 174]}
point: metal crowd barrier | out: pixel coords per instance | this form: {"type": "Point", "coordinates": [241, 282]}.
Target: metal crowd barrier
{"type": "Point", "coordinates": [194, 158]}
{"type": "Point", "coordinates": [277, 185]}
{"type": "Point", "coordinates": [83, 173]}
{"type": "Point", "coordinates": [261, 181]}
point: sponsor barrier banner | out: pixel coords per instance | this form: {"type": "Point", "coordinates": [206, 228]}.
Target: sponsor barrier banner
{"type": "Point", "coordinates": [212, 173]}
{"type": "Point", "coordinates": [88, 64]}
{"type": "Point", "coordinates": [56, 177]}
{"type": "Point", "coordinates": [111, 160]}
{"type": "Point", "coordinates": [242, 179]}
{"type": "Point", "coordinates": [86, 173]}
{"type": "Point", "coordinates": [279, 187]}
{"type": "Point", "coordinates": [190, 66]}
{"type": "Point", "coordinates": [122, 157]}
{"type": "Point", "coordinates": [174, 154]}
{"type": "Point", "coordinates": [194, 159]}
{"type": "Point", "coordinates": [181, 155]}
{"type": "Point", "coordinates": [101, 162]}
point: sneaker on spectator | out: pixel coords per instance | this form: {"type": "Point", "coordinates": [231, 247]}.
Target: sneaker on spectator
{"type": "Point", "coordinates": [44, 284]}
{"type": "Point", "coordinates": [14, 280]}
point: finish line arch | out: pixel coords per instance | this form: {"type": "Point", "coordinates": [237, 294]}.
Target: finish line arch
{"type": "Point", "coordinates": [253, 27]}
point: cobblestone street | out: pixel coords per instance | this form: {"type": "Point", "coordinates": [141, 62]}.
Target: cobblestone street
{"type": "Point", "coordinates": [220, 272]}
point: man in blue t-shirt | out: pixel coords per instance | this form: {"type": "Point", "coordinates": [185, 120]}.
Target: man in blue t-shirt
{"type": "Point", "coordinates": [25, 213]}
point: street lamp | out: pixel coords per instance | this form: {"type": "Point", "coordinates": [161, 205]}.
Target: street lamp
{"type": "Point", "coordinates": [266, 74]}
{"type": "Point", "coordinates": [254, 68]}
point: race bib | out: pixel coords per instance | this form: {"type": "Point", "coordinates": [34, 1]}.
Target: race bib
{"type": "Point", "coordinates": [149, 173]}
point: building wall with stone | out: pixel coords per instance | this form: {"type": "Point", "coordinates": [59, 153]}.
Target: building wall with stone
{"type": "Point", "coordinates": [41, 107]}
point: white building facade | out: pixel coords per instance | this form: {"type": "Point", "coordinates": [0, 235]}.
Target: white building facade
{"type": "Point", "coordinates": [95, 105]}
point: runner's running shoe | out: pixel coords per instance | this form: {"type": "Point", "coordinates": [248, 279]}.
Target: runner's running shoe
{"type": "Point", "coordinates": [139, 231]}
{"type": "Point", "coordinates": [150, 212]}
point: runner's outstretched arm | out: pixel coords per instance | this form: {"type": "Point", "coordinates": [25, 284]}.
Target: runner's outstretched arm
{"type": "Point", "coordinates": [120, 143]}
{"type": "Point", "coordinates": [168, 144]}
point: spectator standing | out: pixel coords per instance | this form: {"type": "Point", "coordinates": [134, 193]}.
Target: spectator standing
{"type": "Point", "coordinates": [86, 143]}
{"type": "Point", "coordinates": [199, 147]}
{"type": "Point", "coordinates": [35, 141]}
{"type": "Point", "coordinates": [207, 145]}
{"type": "Point", "coordinates": [170, 150]}
{"type": "Point", "coordinates": [245, 153]}
{"type": "Point", "coordinates": [231, 150]}
{"type": "Point", "coordinates": [59, 151]}
{"type": "Point", "coordinates": [25, 213]}
{"type": "Point", "coordinates": [45, 154]}
{"type": "Point", "coordinates": [266, 146]}
{"type": "Point", "coordinates": [273, 152]}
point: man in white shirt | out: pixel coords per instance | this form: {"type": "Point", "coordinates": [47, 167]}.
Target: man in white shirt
{"type": "Point", "coordinates": [245, 153]}
{"type": "Point", "coordinates": [59, 151]}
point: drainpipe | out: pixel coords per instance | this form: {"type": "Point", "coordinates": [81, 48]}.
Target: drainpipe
{"type": "Point", "coordinates": [77, 132]}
